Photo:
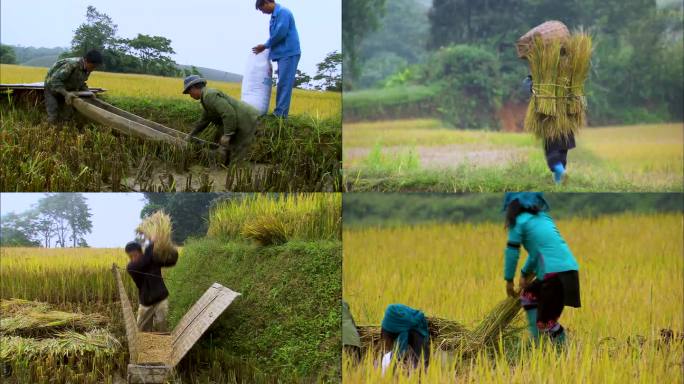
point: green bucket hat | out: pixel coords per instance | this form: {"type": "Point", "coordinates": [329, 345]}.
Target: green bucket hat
{"type": "Point", "coordinates": [192, 80]}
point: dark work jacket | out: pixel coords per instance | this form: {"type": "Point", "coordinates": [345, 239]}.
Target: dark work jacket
{"type": "Point", "coordinates": [148, 278]}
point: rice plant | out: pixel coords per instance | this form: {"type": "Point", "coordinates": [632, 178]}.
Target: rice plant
{"type": "Point", "coordinates": [273, 219]}
{"type": "Point", "coordinates": [454, 272]}
{"type": "Point", "coordinates": [302, 153]}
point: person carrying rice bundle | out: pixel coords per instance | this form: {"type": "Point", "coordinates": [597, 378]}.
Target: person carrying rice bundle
{"type": "Point", "coordinates": [549, 260]}
{"type": "Point", "coordinates": [404, 330]}
{"type": "Point", "coordinates": [555, 148]}
{"type": "Point", "coordinates": [559, 65]}
{"type": "Point", "coordinates": [153, 303]}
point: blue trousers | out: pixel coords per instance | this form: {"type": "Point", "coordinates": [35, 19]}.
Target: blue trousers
{"type": "Point", "coordinates": [287, 69]}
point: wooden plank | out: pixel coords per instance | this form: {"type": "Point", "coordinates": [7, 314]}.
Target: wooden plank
{"type": "Point", "coordinates": [40, 86]}
{"type": "Point", "coordinates": [125, 114]}
{"type": "Point", "coordinates": [130, 323]}
{"type": "Point", "coordinates": [122, 124]}
{"type": "Point", "coordinates": [148, 374]}
{"type": "Point", "coordinates": [198, 319]}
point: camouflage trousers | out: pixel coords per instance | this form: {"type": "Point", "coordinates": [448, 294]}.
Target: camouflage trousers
{"type": "Point", "coordinates": [57, 109]}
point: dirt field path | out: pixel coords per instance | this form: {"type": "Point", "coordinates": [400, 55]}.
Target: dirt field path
{"type": "Point", "coordinates": [445, 156]}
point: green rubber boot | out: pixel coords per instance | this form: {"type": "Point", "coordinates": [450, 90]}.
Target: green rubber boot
{"type": "Point", "coordinates": [559, 339]}
{"type": "Point", "coordinates": [532, 323]}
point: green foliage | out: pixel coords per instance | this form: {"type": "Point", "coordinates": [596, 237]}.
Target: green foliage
{"type": "Point", "coordinates": [360, 18]}
{"type": "Point", "coordinates": [637, 70]}
{"type": "Point", "coordinates": [389, 103]}
{"type": "Point", "coordinates": [400, 41]}
{"type": "Point", "coordinates": [7, 55]}
{"type": "Point", "coordinates": [286, 323]}
{"type": "Point", "coordinates": [379, 162]}
{"type": "Point", "coordinates": [63, 217]}
{"type": "Point", "coordinates": [468, 78]}
{"type": "Point", "coordinates": [141, 54]}
{"type": "Point", "coordinates": [329, 73]}
{"type": "Point", "coordinates": [373, 209]}
{"type": "Point", "coordinates": [189, 212]}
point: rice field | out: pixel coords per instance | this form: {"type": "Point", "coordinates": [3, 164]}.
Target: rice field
{"type": "Point", "coordinates": [318, 104]}
{"type": "Point", "coordinates": [302, 153]}
{"type": "Point", "coordinates": [423, 155]}
{"type": "Point", "coordinates": [631, 279]}
{"type": "Point", "coordinates": [61, 319]}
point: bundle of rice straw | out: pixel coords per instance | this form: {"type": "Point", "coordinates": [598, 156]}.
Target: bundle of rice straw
{"type": "Point", "coordinates": [448, 335]}
{"type": "Point", "coordinates": [496, 323]}
{"type": "Point", "coordinates": [36, 319]}
{"type": "Point", "coordinates": [559, 69]}
{"type": "Point", "coordinates": [157, 228]}
{"type": "Point", "coordinates": [266, 230]}
{"type": "Point", "coordinates": [98, 342]}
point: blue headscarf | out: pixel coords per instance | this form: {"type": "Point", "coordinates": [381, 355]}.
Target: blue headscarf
{"type": "Point", "coordinates": [401, 319]}
{"type": "Point", "coordinates": [526, 200]}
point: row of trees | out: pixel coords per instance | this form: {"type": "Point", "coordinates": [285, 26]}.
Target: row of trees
{"type": "Point", "coordinates": [466, 49]}
{"type": "Point", "coordinates": [141, 54]}
{"type": "Point", "coordinates": [59, 220]}
{"type": "Point", "coordinates": [363, 209]}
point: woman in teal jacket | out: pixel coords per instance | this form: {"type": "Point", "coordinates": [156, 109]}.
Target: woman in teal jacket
{"type": "Point", "coordinates": [549, 260]}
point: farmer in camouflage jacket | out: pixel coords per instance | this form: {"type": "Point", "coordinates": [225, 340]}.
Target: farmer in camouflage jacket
{"type": "Point", "coordinates": [65, 77]}
{"type": "Point", "coordinates": [236, 121]}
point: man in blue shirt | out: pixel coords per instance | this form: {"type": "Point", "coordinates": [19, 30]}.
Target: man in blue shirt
{"type": "Point", "coordinates": [283, 43]}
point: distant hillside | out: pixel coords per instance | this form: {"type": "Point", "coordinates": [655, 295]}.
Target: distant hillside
{"type": "Point", "coordinates": [215, 74]}
{"type": "Point", "coordinates": [45, 57]}
{"type": "Point", "coordinates": [37, 57]}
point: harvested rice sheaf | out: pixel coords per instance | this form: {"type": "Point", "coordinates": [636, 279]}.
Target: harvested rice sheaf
{"type": "Point", "coordinates": [98, 342]}
{"type": "Point", "coordinates": [36, 319]}
{"type": "Point", "coordinates": [266, 230]}
{"type": "Point", "coordinates": [448, 335]}
{"type": "Point", "coordinates": [157, 228]}
{"type": "Point", "coordinates": [559, 71]}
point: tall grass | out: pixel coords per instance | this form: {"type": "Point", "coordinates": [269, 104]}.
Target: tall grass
{"type": "Point", "coordinates": [630, 276]}
{"type": "Point", "coordinates": [281, 217]}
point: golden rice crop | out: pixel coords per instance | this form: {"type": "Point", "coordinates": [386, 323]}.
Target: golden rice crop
{"type": "Point", "coordinates": [157, 228]}
{"type": "Point", "coordinates": [317, 104]}
{"type": "Point", "coordinates": [275, 218]}
{"type": "Point", "coordinates": [630, 273]}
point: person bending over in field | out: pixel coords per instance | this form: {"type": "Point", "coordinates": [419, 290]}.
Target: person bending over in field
{"type": "Point", "coordinates": [549, 260]}
{"type": "Point", "coordinates": [283, 43]}
{"type": "Point", "coordinates": [236, 121]}
{"type": "Point", "coordinates": [405, 331]}
{"type": "Point", "coordinates": [152, 293]}
{"type": "Point", "coordinates": [555, 150]}
{"type": "Point", "coordinates": [351, 342]}
{"type": "Point", "coordinates": [64, 78]}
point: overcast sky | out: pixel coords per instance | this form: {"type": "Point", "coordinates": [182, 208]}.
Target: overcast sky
{"type": "Point", "coordinates": [115, 215]}
{"type": "Point", "coordinates": [209, 33]}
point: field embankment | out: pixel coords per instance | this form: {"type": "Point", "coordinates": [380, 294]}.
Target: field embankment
{"type": "Point", "coordinates": [423, 155]}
